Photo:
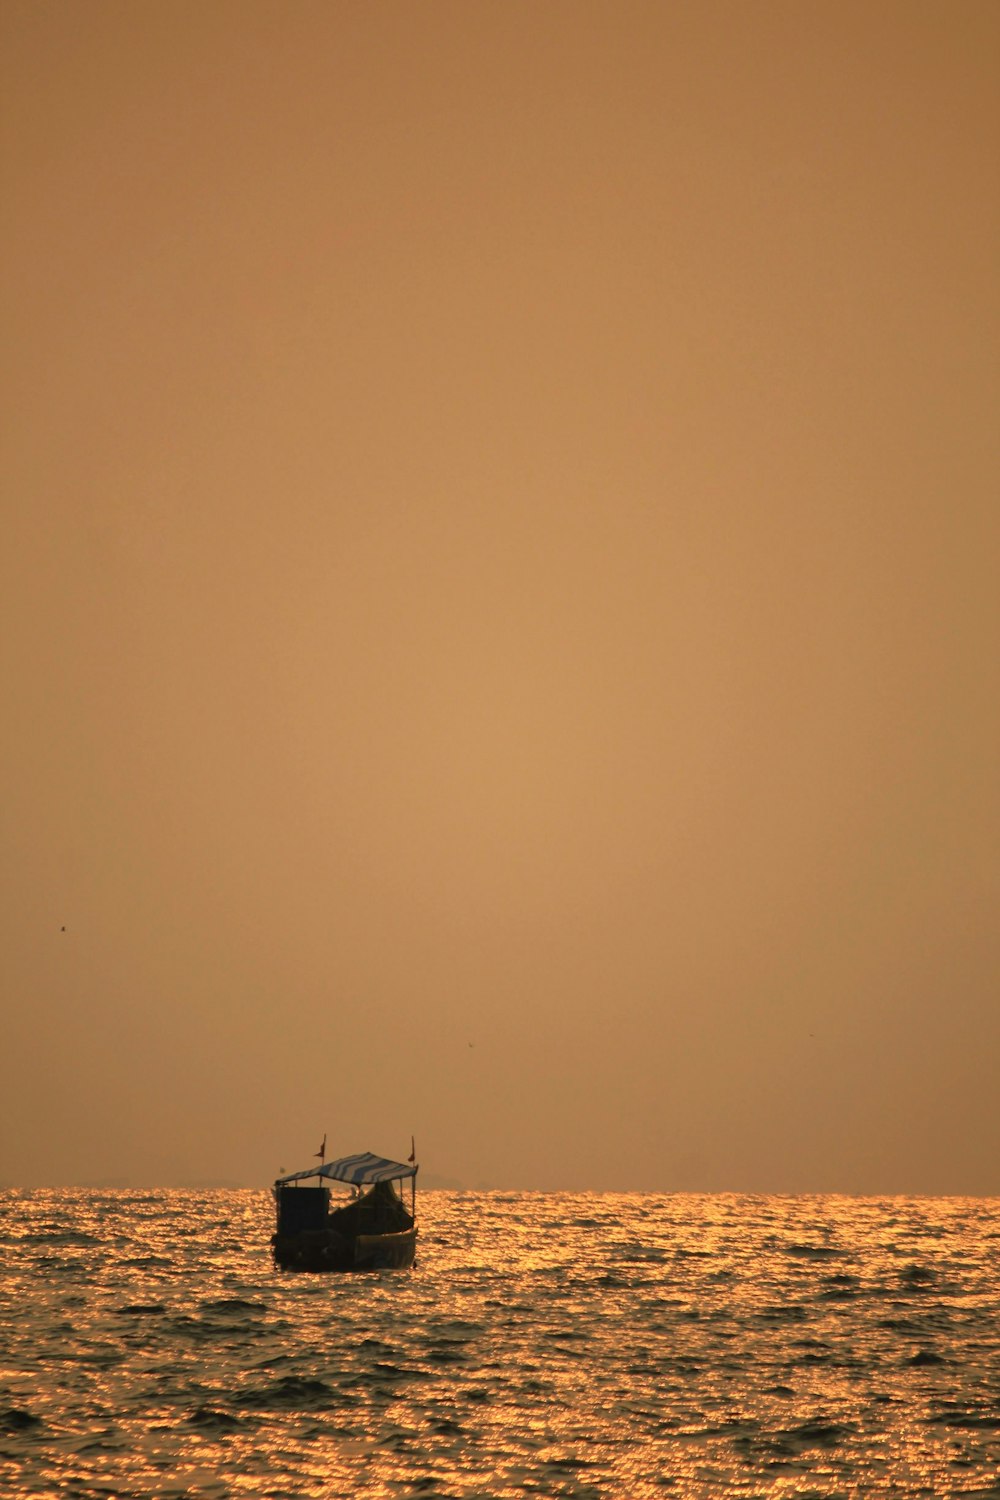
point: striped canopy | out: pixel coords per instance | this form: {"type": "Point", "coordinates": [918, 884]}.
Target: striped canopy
{"type": "Point", "coordinates": [359, 1169]}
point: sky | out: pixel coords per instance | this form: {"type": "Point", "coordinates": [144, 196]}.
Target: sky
{"type": "Point", "coordinates": [500, 625]}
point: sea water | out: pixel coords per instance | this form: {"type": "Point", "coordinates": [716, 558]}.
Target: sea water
{"type": "Point", "coordinates": [545, 1344]}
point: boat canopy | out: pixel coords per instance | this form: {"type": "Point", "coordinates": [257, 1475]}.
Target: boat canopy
{"type": "Point", "coordinates": [359, 1169]}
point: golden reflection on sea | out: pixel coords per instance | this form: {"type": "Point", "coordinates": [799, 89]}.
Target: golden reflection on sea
{"type": "Point", "coordinates": [566, 1345]}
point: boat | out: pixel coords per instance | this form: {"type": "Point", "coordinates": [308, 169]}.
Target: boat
{"type": "Point", "coordinates": [372, 1231]}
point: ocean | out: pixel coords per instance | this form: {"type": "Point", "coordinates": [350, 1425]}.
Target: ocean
{"type": "Point", "coordinates": [550, 1345]}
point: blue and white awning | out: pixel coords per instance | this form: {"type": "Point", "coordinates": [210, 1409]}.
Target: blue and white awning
{"type": "Point", "coordinates": [357, 1169]}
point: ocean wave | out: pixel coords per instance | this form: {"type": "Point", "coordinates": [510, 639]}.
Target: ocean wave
{"type": "Point", "coordinates": [567, 1346]}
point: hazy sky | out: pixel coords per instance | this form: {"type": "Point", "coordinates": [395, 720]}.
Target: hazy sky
{"type": "Point", "coordinates": [500, 591]}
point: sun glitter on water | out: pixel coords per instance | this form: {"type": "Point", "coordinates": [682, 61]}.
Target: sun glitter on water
{"type": "Point", "coordinates": [565, 1345]}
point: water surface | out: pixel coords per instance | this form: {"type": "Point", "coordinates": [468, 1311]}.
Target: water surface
{"type": "Point", "coordinates": [545, 1345]}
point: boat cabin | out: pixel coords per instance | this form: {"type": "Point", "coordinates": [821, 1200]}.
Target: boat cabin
{"type": "Point", "coordinates": [370, 1229]}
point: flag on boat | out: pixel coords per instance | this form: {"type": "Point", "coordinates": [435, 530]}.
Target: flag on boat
{"type": "Point", "coordinates": [321, 1153]}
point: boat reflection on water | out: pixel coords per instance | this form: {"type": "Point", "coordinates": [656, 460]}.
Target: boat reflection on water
{"type": "Point", "coordinates": [372, 1231]}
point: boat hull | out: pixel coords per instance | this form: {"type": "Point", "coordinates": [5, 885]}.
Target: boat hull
{"type": "Point", "coordinates": [326, 1250]}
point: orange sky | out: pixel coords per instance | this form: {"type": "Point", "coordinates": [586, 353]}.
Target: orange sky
{"type": "Point", "coordinates": [500, 612]}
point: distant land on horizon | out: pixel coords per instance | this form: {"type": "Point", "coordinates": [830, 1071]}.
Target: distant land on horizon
{"type": "Point", "coordinates": [436, 1182]}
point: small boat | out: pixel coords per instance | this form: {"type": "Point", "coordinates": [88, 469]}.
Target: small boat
{"type": "Point", "coordinates": [372, 1231]}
